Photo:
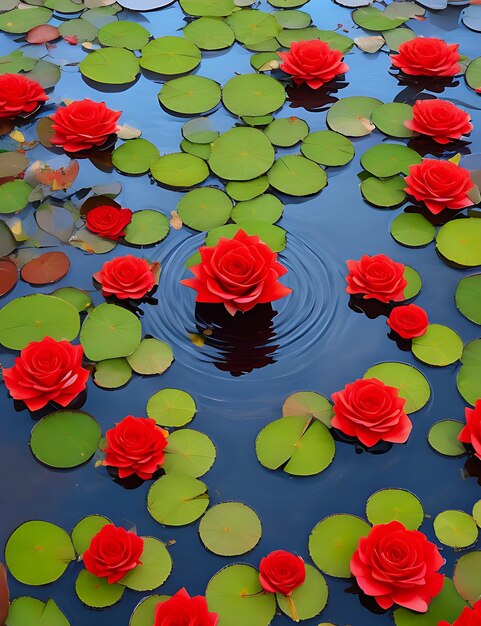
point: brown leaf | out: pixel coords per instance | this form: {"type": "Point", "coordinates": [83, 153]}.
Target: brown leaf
{"type": "Point", "coordinates": [175, 220]}
{"type": "Point", "coordinates": [42, 34]}
{"type": "Point", "coordinates": [370, 44]}
{"type": "Point", "coordinates": [45, 269]}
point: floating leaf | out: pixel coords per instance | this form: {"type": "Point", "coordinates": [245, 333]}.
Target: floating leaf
{"type": "Point", "coordinates": [46, 268]}
{"type": "Point", "coordinates": [171, 407]}
{"type": "Point", "coordinates": [209, 8]}
{"type": "Point", "coordinates": [389, 119]}
{"type": "Point", "coordinates": [468, 297]}
{"type": "Point", "coordinates": [327, 148]}
{"type": "Point", "coordinates": [114, 66]}
{"type": "Point", "coordinates": [439, 346]}
{"type": "Point", "coordinates": [387, 159]}
{"type": "Point", "coordinates": [443, 438]}
{"type": "Point", "coordinates": [189, 452]}
{"type": "Point", "coordinates": [460, 241]}
{"type": "Point", "coordinates": [447, 605]}
{"type": "Point", "coordinates": [147, 227]}
{"type": "Point", "coordinates": [144, 612]}
{"type": "Point", "coordinates": [467, 576]}
{"type": "Point", "coordinates": [204, 208]}
{"type": "Point", "coordinates": [199, 130]}
{"type": "Point", "coordinates": [179, 170]}
{"type": "Point", "coordinates": [384, 193]}
{"type": "Point", "coordinates": [97, 592]}
{"type": "Point", "coordinates": [473, 74]}
{"type": "Point", "coordinates": [247, 190]}
{"type": "Point", "coordinates": [286, 131]}
{"type": "Point", "coordinates": [79, 28]}
{"type": "Point", "coordinates": [112, 373]}
{"type": "Point", "coordinates": [135, 156]}
{"type": "Point", "coordinates": [14, 195]}
{"type": "Point", "coordinates": [297, 176]}
{"type": "Point", "coordinates": [309, 599]}
{"type": "Point", "coordinates": [253, 26]}
{"type": "Point", "coordinates": [264, 208]}
{"type": "Point", "coordinates": [273, 236]}
{"type": "Point", "coordinates": [253, 94]}
{"type": "Point", "coordinates": [351, 116]}
{"type": "Point", "coordinates": [370, 44]}
{"type": "Point", "coordinates": [230, 529]}
{"type": "Point", "coordinates": [411, 384]}
{"type": "Point", "coordinates": [414, 283]}
{"type": "Point", "coordinates": [293, 19]}
{"type": "Point", "coordinates": [84, 239]}
{"type": "Point", "coordinates": [209, 33]}
{"type": "Point", "coordinates": [26, 611]}
{"type": "Point", "coordinates": [333, 39]}
{"type": "Point", "coordinates": [23, 20]}
{"type": "Point", "coordinates": [412, 229]}
{"type": "Point", "coordinates": [371, 18]}
{"type": "Point", "coordinates": [153, 570]}
{"type": "Point", "coordinates": [170, 55]}
{"type": "Point", "coordinates": [190, 95]}
{"type": "Point", "coordinates": [309, 404]}
{"type": "Point", "coordinates": [241, 154]}
{"type": "Point", "coordinates": [85, 530]}
{"type": "Point", "coordinates": [177, 500]}
{"type": "Point", "coordinates": [388, 505]}
{"type": "Point", "coordinates": [456, 529]}
{"type": "Point", "coordinates": [8, 275]}
{"type": "Point", "coordinates": [109, 332]}
{"type": "Point", "coordinates": [469, 376]}
{"type": "Point", "coordinates": [151, 356]}
{"type": "Point", "coordinates": [124, 34]}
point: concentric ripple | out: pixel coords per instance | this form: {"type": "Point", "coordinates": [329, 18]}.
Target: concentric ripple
{"type": "Point", "coordinates": [205, 337]}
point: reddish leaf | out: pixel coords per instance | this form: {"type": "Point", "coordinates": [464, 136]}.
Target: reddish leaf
{"type": "Point", "coordinates": [4, 595]}
{"type": "Point", "coordinates": [8, 280]}
{"type": "Point", "coordinates": [43, 33]}
{"type": "Point", "coordinates": [56, 178]}
{"type": "Point", "coordinates": [46, 269]}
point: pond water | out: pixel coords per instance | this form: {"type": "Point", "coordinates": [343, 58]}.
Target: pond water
{"type": "Point", "coordinates": [311, 340]}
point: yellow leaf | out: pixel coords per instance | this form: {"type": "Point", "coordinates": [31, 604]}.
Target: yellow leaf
{"type": "Point", "coordinates": [16, 135]}
{"type": "Point", "coordinates": [455, 159]}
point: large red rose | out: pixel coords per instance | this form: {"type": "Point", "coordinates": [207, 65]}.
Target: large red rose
{"type": "Point", "coordinates": [282, 572]}
{"type": "Point", "coordinates": [135, 446]}
{"type": "Point", "coordinates": [313, 62]}
{"type": "Point", "coordinates": [471, 433]}
{"type": "Point", "coordinates": [376, 277]}
{"type": "Point", "coordinates": [398, 566]}
{"type": "Point", "coordinates": [439, 184]}
{"type": "Point", "coordinates": [113, 553]}
{"type": "Point", "coordinates": [408, 321]}
{"type": "Point", "coordinates": [83, 124]}
{"type": "Point", "coordinates": [46, 371]}
{"type": "Point", "coordinates": [439, 119]}
{"type": "Point", "coordinates": [469, 617]}
{"type": "Point", "coordinates": [19, 94]}
{"type": "Point", "coordinates": [183, 610]}
{"type": "Point", "coordinates": [371, 411]}
{"type": "Point", "coordinates": [239, 272]}
{"type": "Point", "coordinates": [126, 277]}
{"type": "Point", "coordinates": [428, 56]}
{"type": "Point", "coordinates": [108, 221]}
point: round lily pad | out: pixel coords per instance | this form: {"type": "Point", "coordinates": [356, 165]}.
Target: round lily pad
{"type": "Point", "coordinates": [200, 130]}
{"type": "Point", "coordinates": [109, 332]}
{"type": "Point", "coordinates": [154, 569]}
{"type": "Point", "coordinates": [230, 529]}
{"type": "Point", "coordinates": [135, 156]}
{"type": "Point", "coordinates": [14, 195]}
{"type": "Point", "coordinates": [235, 594]}
{"type": "Point", "coordinates": [387, 159]}
{"type": "Point", "coordinates": [327, 148]}
{"type": "Point", "coordinates": [273, 236]}
{"type": "Point", "coordinates": [78, 298]}
{"type": "Point", "coordinates": [253, 94]}
{"type": "Point", "coordinates": [144, 612]}
{"type": "Point", "coordinates": [190, 95]}
{"type": "Point", "coordinates": [241, 154]}
{"type": "Point", "coordinates": [443, 438]}
{"type": "Point", "coordinates": [371, 18]}
{"type": "Point", "coordinates": [31, 318]}
{"type": "Point", "coordinates": [8, 275]}
{"type": "Point", "coordinates": [309, 404]}
{"type": "Point", "coordinates": [247, 190]}
{"type": "Point", "coordinates": [189, 452]}
{"type": "Point", "coordinates": [170, 56]}
{"type": "Point", "coordinates": [468, 297]}
{"type": "Point", "coordinates": [179, 170]}
{"type": "Point", "coordinates": [171, 407]}
{"type": "Point", "coordinates": [333, 542]}
{"type": "Point", "coordinates": [114, 66]}
{"type": "Point", "coordinates": [97, 592]}
{"type": "Point", "coordinates": [65, 439]}
{"type": "Point", "coordinates": [414, 283]}
{"type": "Point", "coordinates": [447, 605]}
{"type": "Point", "coordinates": [389, 119]}
{"type": "Point", "coordinates": [196, 149]}
{"type": "Point", "coordinates": [147, 227]}
{"type": "Point", "coordinates": [335, 40]}
{"type": "Point", "coordinates": [301, 445]}
{"type": "Point", "coordinates": [309, 599]}
{"type": "Point", "coordinates": [25, 611]}
{"type": "Point", "coordinates": [297, 176]}
{"type": "Point", "coordinates": [124, 34]}
{"type": "Point", "coordinates": [112, 373]}
{"type": "Point", "coordinates": [264, 208]}
{"type": "Point", "coordinates": [204, 208]}
{"type": "Point", "coordinates": [411, 384]}
{"type": "Point", "coordinates": [23, 20]}
{"type": "Point", "coordinates": [85, 530]}
{"type": "Point", "coordinates": [209, 33]}
{"type": "Point", "coordinates": [412, 229]}
{"type": "Point", "coordinates": [286, 131]}
{"type": "Point", "coordinates": [252, 26]}
{"type": "Point", "coordinates": [456, 529]}
{"type": "Point", "coordinates": [213, 8]}
{"type": "Point", "coordinates": [460, 241]}
{"type": "Point", "coordinates": [477, 513]}
{"type": "Point", "coordinates": [388, 505]}
{"type": "Point", "coordinates": [473, 74]}
{"type": "Point", "coordinates": [47, 268]}
{"type": "Point", "coordinates": [151, 356]}
{"type": "Point", "coordinates": [351, 116]}
{"type": "Point", "coordinates": [37, 553]}
{"type": "Point", "coordinates": [469, 376]}
{"type": "Point", "coordinates": [177, 500]}
{"type": "Point", "coordinates": [80, 28]}
{"type": "Point", "coordinates": [467, 576]}
{"type": "Point", "coordinates": [439, 346]}
{"type": "Point", "coordinates": [384, 193]}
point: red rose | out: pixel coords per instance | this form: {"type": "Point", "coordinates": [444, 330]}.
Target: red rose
{"type": "Point", "coordinates": [183, 610]}
{"type": "Point", "coordinates": [439, 184]}
{"type": "Point", "coordinates": [428, 56]}
{"type": "Point", "coordinates": [239, 272]}
{"type": "Point", "coordinates": [113, 553]}
{"type": "Point", "coordinates": [471, 433]}
{"type": "Point", "coordinates": [47, 370]}
{"type": "Point", "coordinates": [371, 411]}
{"type": "Point", "coordinates": [439, 119]}
{"type": "Point", "coordinates": [313, 62]}
{"type": "Point", "coordinates": [135, 446]}
{"type": "Point", "coordinates": [108, 221]}
{"type": "Point", "coordinates": [83, 124]}
{"type": "Point", "coordinates": [282, 572]}
{"type": "Point", "coordinates": [19, 94]}
{"type": "Point", "coordinates": [376, 277]}
{"type": "Point", "coordinates": [398, 566]}
{"type": "Point", "coordinates": [408, 321]}
{"type": "Point", "coordinates": [126, 277]}
{"type": "Point", "coordinates": [469, 617]}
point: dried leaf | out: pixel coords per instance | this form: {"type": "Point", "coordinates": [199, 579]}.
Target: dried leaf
{"type": "Point", "coordinates": [128, 132]}
{"type": "Point", "coordinates": [273, 64]}
{"type": "Point", "coordinates": [16, 135]}
{"type": "Point", "coordinates": [175, 220]}
{"type": "Point", "coordinates": [368, 125]}
{"type": "Point", "coordinates": [370, 44]}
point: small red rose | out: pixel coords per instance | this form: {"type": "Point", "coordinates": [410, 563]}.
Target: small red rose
{"type": "Point", "coordinates": [377, 277]}
{"type": "Point", "coordinates": [428, 56]}
{"type": "Point", "coordinates": [239, 272]}
{"type": "Point", "coordinates": [108, 221]}
{"type": "Point", "coordinates": [135, 446]}
{"type": "Point", "coordinates": [113, 553]}
{"type": "Point", "coordinates": [282, 572]}
{"type": "Point", "coordinates": [372, 412]}
{"type": "Point", "coordinates": [398, 566]}
{"type": "Point", "coordinates": [471, 433]}
{"type": "Point", "coordinates": [439, 119]}
{"type": "Point", "coordinates": [184, 610]}
{"type": "Point", "coordinates": [470, 616]}
{"type": "Point", "coordinates": [408, 321]}
{"type": "Point", "coordinates": [46, 371]}
{"type": "Point", "coordinates": [126, 277]}
{"type": "Point", "coordinates": [313, 62]}
{"type": "Point", "coordinates": [83, 124]}
{"type": "Point", "coordinates": [440, 185]}
{"type": "Point", "coordinates": [19, 94]}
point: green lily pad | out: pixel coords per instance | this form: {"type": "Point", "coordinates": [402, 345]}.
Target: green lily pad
{"type": "Point", "coordinates": [309, 599]}
{"type": "Point", "coordinates": [247, 190]}
{"type": "Point", "coordinates": [85, 531]}
{"type": "Point", "coordinates": [170, 56]}
{"type": "Point", "coordinates": [468, 297]}
{"type": "Point", "coordinates": [135, 156]}
{"type": "Point", "coordinates": [110, 332]}
{"type": "Point", "coordinates": [447, 605]}
{"type": "Point", "coordinates": [384, 193]}
{"type": "Point", "coordinates": [253, 94]}
{"type": "Point", "coordinates": [328, 148]}
{"type": "Point", "coordinates": [371, 18]}
{"type": "Point", "coordinates": [264, 208]}
{"type": "Point", "coordinates": [112, 373]}
{"type": "Point", "coordinates": [309, 404]}
{"type": "Point", "coordinates": [124, 34]}
{"type": "Point", "coordinates": [286, 131]}
{"type": "Point", "coordinates": [469, 376]}
{"type": "Point", "coordinates": [196, 149]}
{"type": "Point", "coordinates": [26, 611]}
{"type": "Point", "coordinates": [351, 116]}
{"type": "Point", "coordinates": [78, 298]}
{"type": "Point", "coordinates": [14, 195]}
{"type": "Point", "coordinates": [439, 346]}
{"type": "Point", "coordinates": [23, 20]}
{"type": "Point", "coordinates": [389, 119]}
{"type": "Point", "coordinates": [414, 283]}
{"type": "Point", "coordinates": [477, 513]}
{"type": "Point", "coordinates": [144, 612]}
{"type": "Point", "coordinates": [208, 8]}
{"type": "Point", "coordinates": [412, 229]}
{"type": "Point", "coordinates": [230, 529]}
{"type": "Point", "coordinates": [333, 542]}
{"type": "Point", "coordinates": [396, 36]}
{"type": "Point", "coordinates": [171, 407]}
{"type": "Point", "coordinates": [241, 154]}
{"type": "Point", "coordinates": [209, 33]}
{"type": "Point", "coordinates": [271, 235]}
{"type": "Point", "coordinates": [114, 66]}
{"type": "Point", "coordinates": [37, 553]}
{"type": "Point", "coordinates": [177, 500]}
{"type": "Point", "coordinates": [302, 446]}
{"type": "Point", "coordinates": [252, 26]}
{"type": "Point", "coordinates": [467, 576]}
{"type": "Point", "coordinates": [456, 529]}
{"type": "Point", "coordinates": [335, 40]}
{"type": "Point", "coordinates": [473, 74]}
{"type": "Point", "coordinates": [151, 356]}
{"type": "Point", "coordinates": [200, 130]}
{"type": "Point", "coordinates": [460, 241]}
{"type": "Point", "coordinates": [411, 384]}
{"type": "Point", "coordinates": [189, 452]}
{"type": "Point", "coordinates": [387, 159]}
{"type": "Point", "coordinates": [204, 208]}
{"type": "Point", "coordinates": [443, 438]}
{"type": "Point", "coordinates": [155, 567]}
{"type": "Point", "coordinates": [190, 95]}
{"type": "Point", "coordinates": [179, 170]}
{"type": "Point", "coordinates": [295, 175]}
{"type": "Point", "coordinates": [80, 28]}
{"type": "Point", "coordinates": [65, 439]}
{"type": "Point", "coordinates": [147, 227]}
{"type": "Point", "coordinates": [388, 505]}
{"type": "Point", "coordinates": [97, 592]}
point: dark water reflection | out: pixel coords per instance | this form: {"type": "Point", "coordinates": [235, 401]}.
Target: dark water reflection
{"type": "Point", "coordinates": [311, 340]}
